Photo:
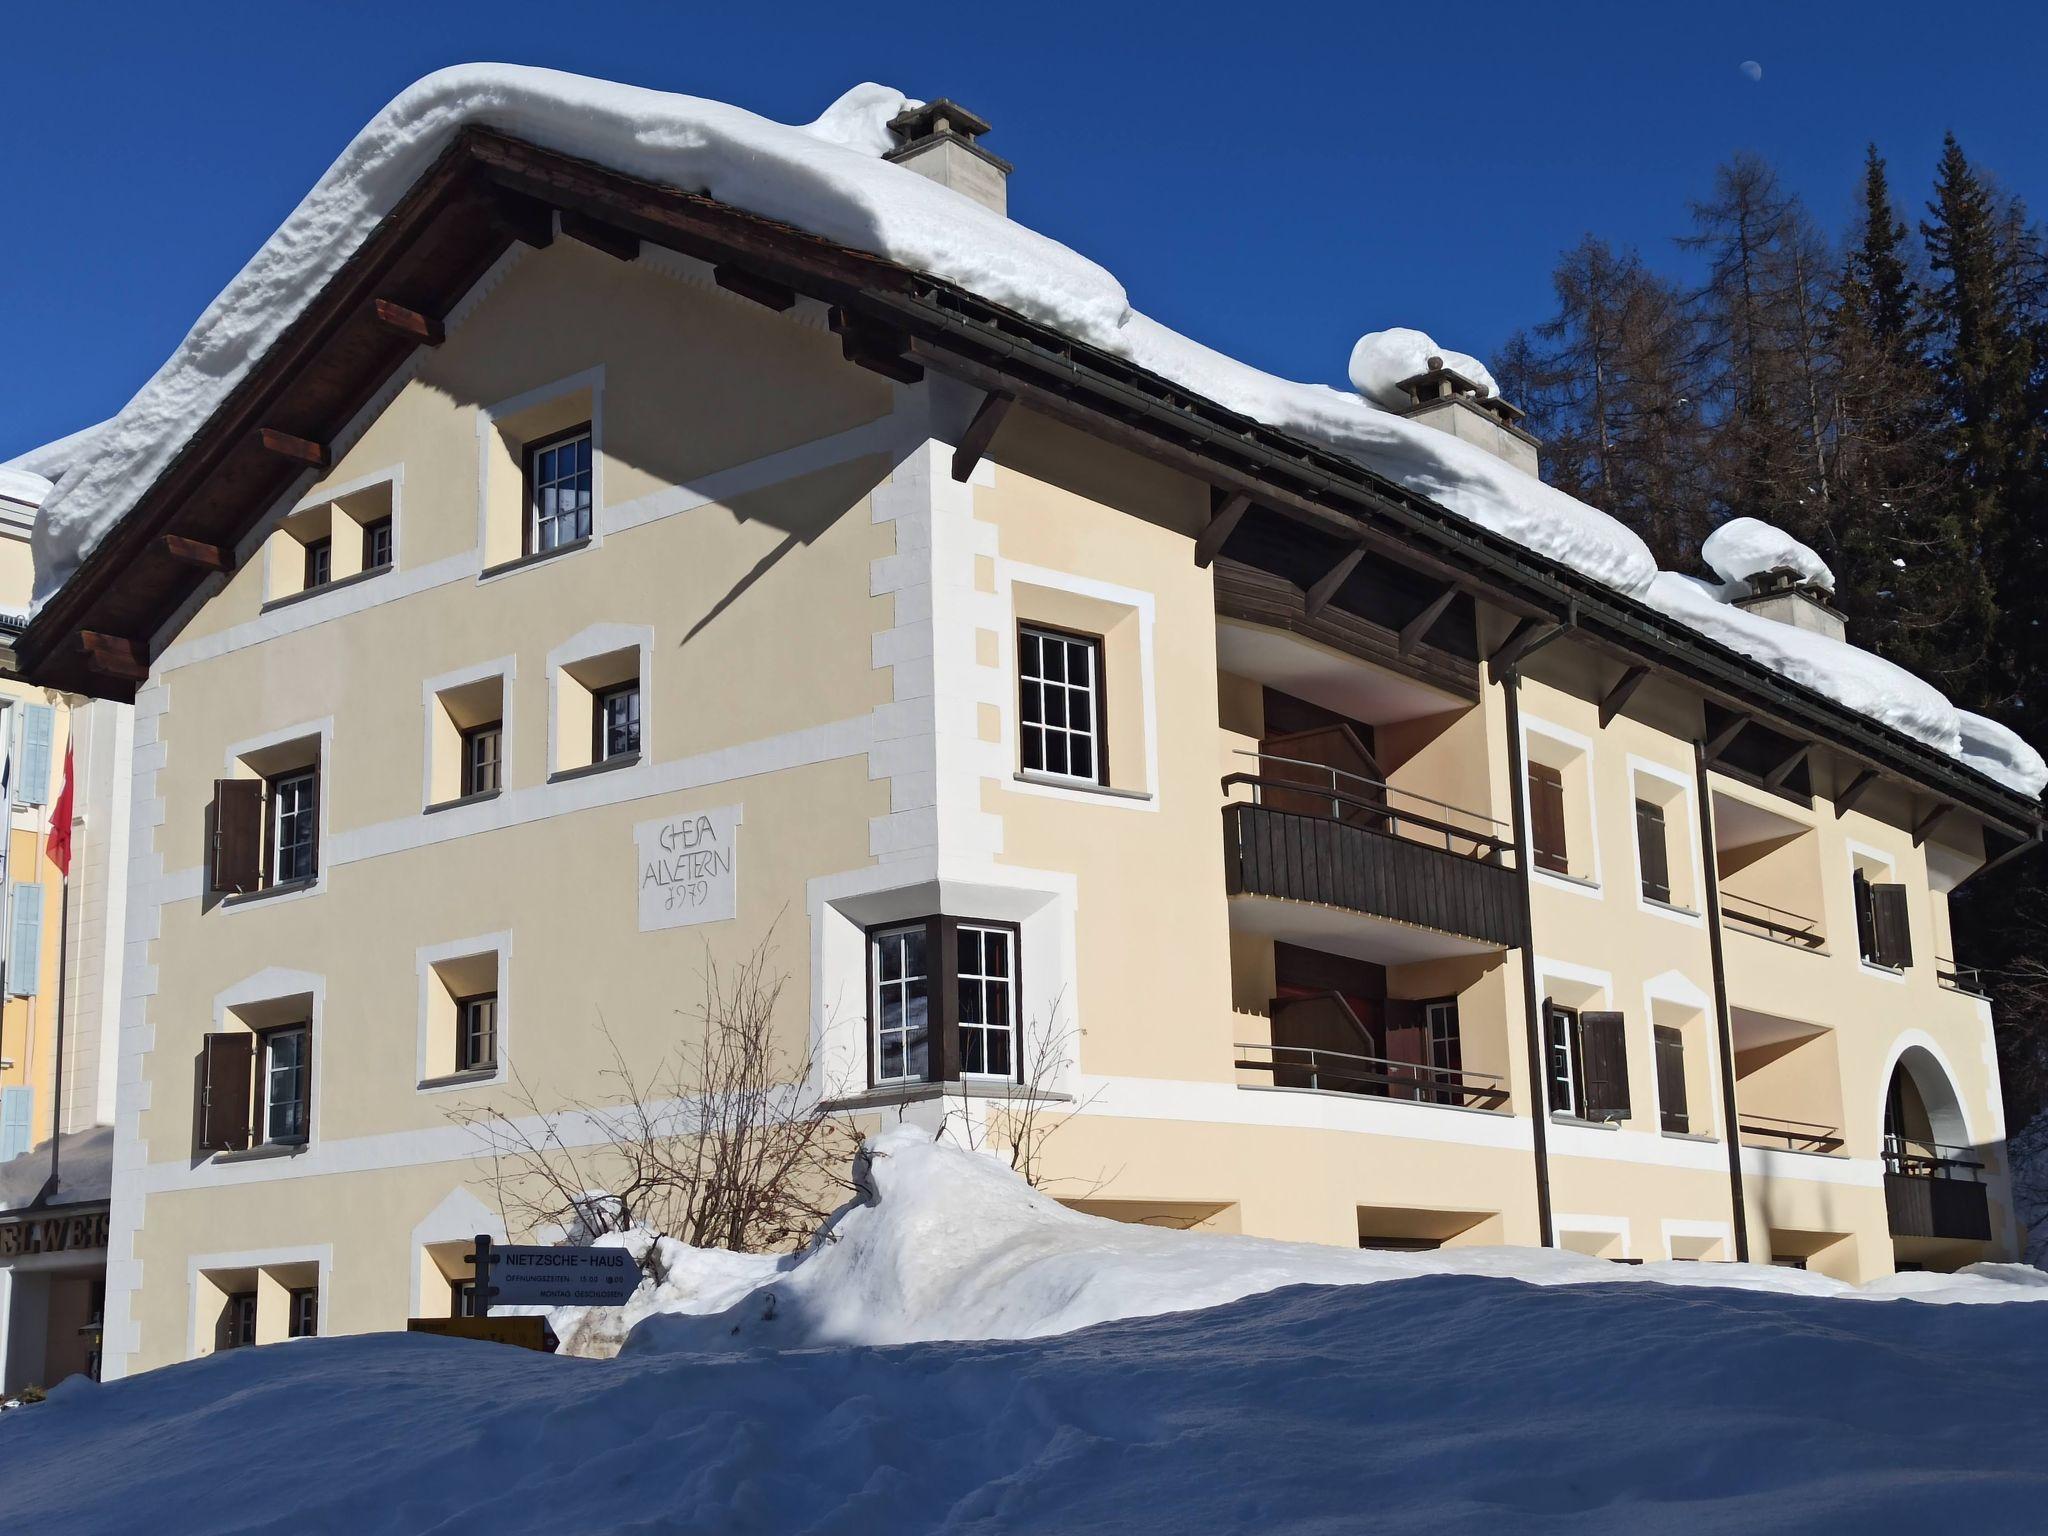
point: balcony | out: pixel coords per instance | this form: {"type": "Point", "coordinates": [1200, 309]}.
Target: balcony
{"type": "Point", "coordinates": [1321, 1071]}
{"type": "Point", "coordinates": [1934, 1191]}
{"type": "Point", "coordinates": [1784, 1135]}
{"type": "Point", "coordinates": [1435, 880]}
{"type": "Point", "coordinates": [1747, 915]}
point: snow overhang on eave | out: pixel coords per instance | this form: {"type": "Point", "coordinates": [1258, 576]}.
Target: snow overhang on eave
{"type": "Point", "coordinates": [97, 634]}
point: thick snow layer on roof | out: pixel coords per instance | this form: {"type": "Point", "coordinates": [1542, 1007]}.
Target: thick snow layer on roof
{"type": "Point", "coordinates": [1744, 547]}
{"type": "Point", "coordinates": [85, 1167]}
{"type": "Point", "coordinates": [951, 1244]}
{"type": "Point", "coordinates": [53, 458]}
{"type": "Point", "coordinates": [1382, 359]}
{"type": "Point", "coordinates": [2002, 754]}
{"type": "Point", "coordinates": [1851, 677]}
{"type": "Point", "coordinates": [23, 485]}
{"type": "Point", "coordinates": [828, 178]}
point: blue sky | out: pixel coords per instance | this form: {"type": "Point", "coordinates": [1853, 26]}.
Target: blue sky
{"type": "Point", "coordinates": [1275, 179]}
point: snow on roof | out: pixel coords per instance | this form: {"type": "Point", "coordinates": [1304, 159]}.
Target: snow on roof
{"type": "Point", "coordinates": [23, 485]}
{"type": "Point", "coordinates": [85, 1168]}
{"type": "Point", "coordinates": [2001, 754]}
{"type": "Point", "coordinates": [828, 178]}
{"type": "Point", "coordinates": [1744, 547]}
{"type": "Point", "coordinates": [1381, 360]}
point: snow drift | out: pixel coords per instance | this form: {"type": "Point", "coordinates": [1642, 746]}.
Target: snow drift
{"type": "Point", "coordinates": [950, 1244]}
{"type": "Point", "coordinates": [1744, 547]}
{"type": "Point", "coordinates": [827, 177]}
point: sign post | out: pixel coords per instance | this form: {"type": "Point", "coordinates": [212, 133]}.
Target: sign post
{"type": "Point", "coordinates": [514, 1276]}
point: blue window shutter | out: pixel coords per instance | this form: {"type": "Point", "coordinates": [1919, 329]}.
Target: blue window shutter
{"type": "Point", "coordinates": [17, 1109]}
{"type": "Point", "coordinates": [37, 724]}
{"type": "Point", "coordinates": [25, 949]}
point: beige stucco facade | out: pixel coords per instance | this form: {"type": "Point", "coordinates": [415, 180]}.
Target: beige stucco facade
{"type": "Point", "coordinates": [824, 627]}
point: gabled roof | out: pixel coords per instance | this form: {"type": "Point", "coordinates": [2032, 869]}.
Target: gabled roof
{"type": "Point", "coordinates": [489, 188]}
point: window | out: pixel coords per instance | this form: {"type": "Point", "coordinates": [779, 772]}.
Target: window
{"type": "Point", "coordinates": [558, 490]}
{"type": "Point", "coordinates": [319, 562]}
{"type": "Point", "coordinates": [1653, 851]}
{"type": "Point", "coordinates": [238, 1323]}
{"type": "Point", "coordinates": [1588, 1064]}
{"type": "Point", "coordinates": [1059, 705]}
{"type": "Point", "coordinates": [303, 1322]}
{"type": "Point", "coordinates": [1671, 1105]}
{"type": "Point", "coordinates": [901, 1006]}
{"type": "Point", "coordinates": [1884, 934]}
{"type": "Point", "coordinates": [284, 1085]}
{"type": "Point", "coordinates": [615, 722]}
{"type": "Point", "coordinates": [1546, 818]}
{"type": "Point", "coordinates": [293, 827]}
{"type": "Point", "coordinates": [1446, 1052]}
{"type": "Point", "coordinates": [377, 544]}
{"type": "Point", "coordinates": [987, 986]}
{"type": "Point", "coordinates": [476, 1040]}
{"type": "Point", "coordinates": [481, 773]}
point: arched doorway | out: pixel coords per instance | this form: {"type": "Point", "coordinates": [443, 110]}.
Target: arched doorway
{"type": "Point", "coordinates": [1933, 1175]}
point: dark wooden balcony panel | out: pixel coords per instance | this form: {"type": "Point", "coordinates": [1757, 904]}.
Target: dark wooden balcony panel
{"type": "Point", "coordinates": [1313, 858]}
{"type": "Point", "coordinates": [1923, 1205]}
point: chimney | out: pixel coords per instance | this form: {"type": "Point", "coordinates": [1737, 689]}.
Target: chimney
{"type": "Point", "coordinates": [1443, 398]}
{"type": "Point", "coordinates": [1781, 595]}
{"type": "Point", "coordinates": [939, 142]}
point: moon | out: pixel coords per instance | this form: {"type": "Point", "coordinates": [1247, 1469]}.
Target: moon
{"type": "Point", "coordinates": [1752, 69]}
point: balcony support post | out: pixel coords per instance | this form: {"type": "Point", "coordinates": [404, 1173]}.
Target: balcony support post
{"type": "Point", "coordinates": [1724, 1029]}
{"type": "Point", "coordinates": [1532, 1006]}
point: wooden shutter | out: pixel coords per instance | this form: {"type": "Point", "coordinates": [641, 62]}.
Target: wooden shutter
{"type": "Point", "coordinates": [38, 727]}
{"type": "Point", "coordinates": [227, 1069]}
{"type": "Point", "coordinates": [237, 863]}
{"type": "Point", "coordinates": [1407, 1050]}
{"type": "Point", "coordinates": [1655, 854]}
{"type": "Point", "coordinates": [1603, 1056]}
{"type": "Point", "coordinates": [1891, 930]}
{"type": "Point", "coordinates": [25, 942]}
{"type": "Point", "coordinates": [1671, 1079]}
{"type": "Point", "coordinates": [1866, 932]}
{"type": "Point", "coordinates": [17, 1117]}
{"type": "Point", "coordinates": [1546, 817]}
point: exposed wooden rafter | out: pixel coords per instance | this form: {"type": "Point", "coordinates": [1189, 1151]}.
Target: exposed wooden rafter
{"type": "Point", "coordinates": [1331, 581]}
{"type": "Point", "coordinates": [207, 557]}
{"type": "Point", "coordinates": [1417, 629]}
{"type": "Point", "coordinates": [1846, 800]}
{"type": "Point", "coordinates": [1931, 820]}
{"type": "Point", "coordinates": [981, 431]}
{"type": "Point", "coordinates": [287, 446]}
{"type": "Point", "coordinates": [409, 323]}
{"type": "Point", "coordinates": [751, 285]}
{"type": "Point", "coordinates": [114, 656]}
{"type": "Point", "coordinates": [1527, 637]}
{"type": "Point", "coordinates": [1617, 697]}
{"type": "Point", "coordinates": [1724, 738]}
{"type": "Point", "coordinates": [600, 236]}
{"type": "Point", "coordinates": [529, 222]}
{"type": "Point", "coordinates": [875, 347]}
{"type": "Point", "coordinates": [1222, 523]}
{"type": "Point", "coordinates": [1783, 769]}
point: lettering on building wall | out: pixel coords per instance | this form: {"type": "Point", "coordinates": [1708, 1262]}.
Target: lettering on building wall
{"type": "Point", "coordinates": [20, 1236]}
{"type": "Point", "coordinates": [688, 868]}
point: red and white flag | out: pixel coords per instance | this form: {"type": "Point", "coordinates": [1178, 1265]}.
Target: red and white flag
{"type": "Point", "coordinates": [60, 822]}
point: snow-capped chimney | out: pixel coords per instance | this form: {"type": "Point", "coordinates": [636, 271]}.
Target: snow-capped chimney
{"type": "Point", "coordinates": [1784, 596]}
{"type": "Point", "coordinates": [1446, 399]}
{"type": "Point", "coordinates": [939, 142]}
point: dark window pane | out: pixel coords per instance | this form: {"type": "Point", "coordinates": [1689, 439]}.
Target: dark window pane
{"type": "Point", "coordinates": [913, 952]}
{"type": "Point", "coordinates": [889, 1056]}
{"type": "Point", "coordinates": [998, 995]}
{"type": "Point", "coordinates": [1033, 703]}
{"type": "Point", "coordinates": [999, 1053]}
{"type": "Point", "coordinates": [1055, 706]}
{"type": "Point", "coordinates": [1055, 661]}
{"type": "Point", "coordinates": [1056, 752]}
{"type": "Point", "coordinates": [997, 949]}
{"type": "Point", "coordinates": [970, 951]}
{"type": "Point", "coordinates": [970, 1002]}
{"type": "Point", "coordinates": [1084, 757]}
{"type": "Point", "coordinates": [1034, 749]}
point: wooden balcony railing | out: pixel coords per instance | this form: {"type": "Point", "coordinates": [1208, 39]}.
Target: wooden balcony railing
{"type": "Point", "coordinates": [1301, 1066]}
{"type": "Point", "coordinates": [1368, 847]}
{"type": "Point", "coordinates": [1932, 1190]}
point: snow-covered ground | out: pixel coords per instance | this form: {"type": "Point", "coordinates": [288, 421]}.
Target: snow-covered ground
{"type": "Point", "coordinates": [1721, 1399]}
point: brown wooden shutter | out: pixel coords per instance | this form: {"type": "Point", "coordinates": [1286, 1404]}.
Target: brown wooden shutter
{"type": "Point", "coordinates": [1603, 1052]}
{"type": "Point", "coordinates": [237, 863]}
{"type": "Point", "coordinates": [226, 1073]}
{"type": "Point", "coordinates": [1671, 1079]}
{"type": "Point", "coordinates": [1656, 858]}
{"type": "Point", "coordinates": [1407, 1047]}
{"type": "Point", "coordinates": [1546, 817]}
{"type": "Point", "coordinates": [1866, 931]}
{"type": "Point", "coordinates": [1891, 929]}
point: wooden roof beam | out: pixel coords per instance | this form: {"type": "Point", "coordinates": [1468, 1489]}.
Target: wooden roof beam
{"type": "Point", "coordinates": [1618, 696]}
{"type": "Point", "coordinates": [1846, 800]}
{"type": "Point", "coordinates": [1783, 770]}
{"type": "Point", "coordinates": [1933, 819]}
{"type": "Point", "coordinates": [299, 449]}
{"type": "Point", "coordinates": [981, 432]}
{"type": "Point", "coordinates": [1328, 584]}
{"type": "Point", "coordinates": [1222, 524]}
{"type": "Point", "coordinates": [115, 657]}
{"type": "Point", "coordinates": [874, 347]}
{"type": "Point", "coordinates": [1417, 629]}
{"type": "Point", "coordinates": [396, 318]}
{"type": "Point", "coordinates": [207, 557]}
{"type": "Point", "coordinates": [1525, 640]}
{"type": "Point", "coordinates": [600, 236]}
{"type": "Point", "coordinates": [526, 220]}
{"type": "Point", "coordinates": [1724, 738]}
{"type": "Point", "coordinates": [751, 285]}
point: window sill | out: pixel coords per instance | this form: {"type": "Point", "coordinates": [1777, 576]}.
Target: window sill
{"type": "Point", "coordinates": [1080, 786]}
{"type": "Point", "coordinates": [263, 1153]}
{"type": "Point", "coordinates": [887, 1095]}
{"type": "Point", "coordinates": [1712, 1141]}
{"type": "Point", "coordinates": [460, 1079]}
{"type": "Point", "coordinates": [1576, 882]}
{"type": "Point", "coordinates": [1672, 907]}
{"type": "Point", "coordinates": [609, 765]}
{"type": "Point", "coordinates": [538, 557]}
{"type": "Point", "coordinates": [1559, 1117]}
{"type": "Point", "coordinates": [271, 892]}
{"type": "Point", "coordinates": [307, 593]}
{"type": "Point", "coordinates": [461, 800]}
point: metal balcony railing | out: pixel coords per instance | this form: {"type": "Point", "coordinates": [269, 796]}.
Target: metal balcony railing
{"type": "Point", "coordinates": [1301, 1066]}
{"type": "Point", "coordinates": [1749, 915]}
{"type": "Point", "coordinates": [1960, 978]}
{"type": "Point", "coordinates": [1791, 1135]}
{"type": "Point", "coordinates": [1933, 1190]}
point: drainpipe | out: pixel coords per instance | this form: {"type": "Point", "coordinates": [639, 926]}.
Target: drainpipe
{"type": "Point", "coordinates": [1724, 1031]}
{"type": "Point", "coordinates": [1539, 1094]}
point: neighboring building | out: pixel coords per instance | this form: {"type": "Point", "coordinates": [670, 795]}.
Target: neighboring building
{"type": "Point", "coordinates": [53, 1239]}
{"type": "Point", "coordinates": [1341, 870]}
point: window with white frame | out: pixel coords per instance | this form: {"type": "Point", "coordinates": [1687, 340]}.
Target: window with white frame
{"type": "Point", "coordinates": [988, 1016]}
{"type": "Point", "coordinates": [294, 826]}
{"type": "Point", "coordinates": [476, 1038]}
{"type": "Point", "coordinates": [558, 490]}
{"type": "Point", "coordinates": [1059, 704]}
{"type": "Point", "coordinates": [902, 1006]}
{"type": "Point", "coordinates": [283, 1118]}
{"type": "Point", "coordinates": [943, 1001]}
